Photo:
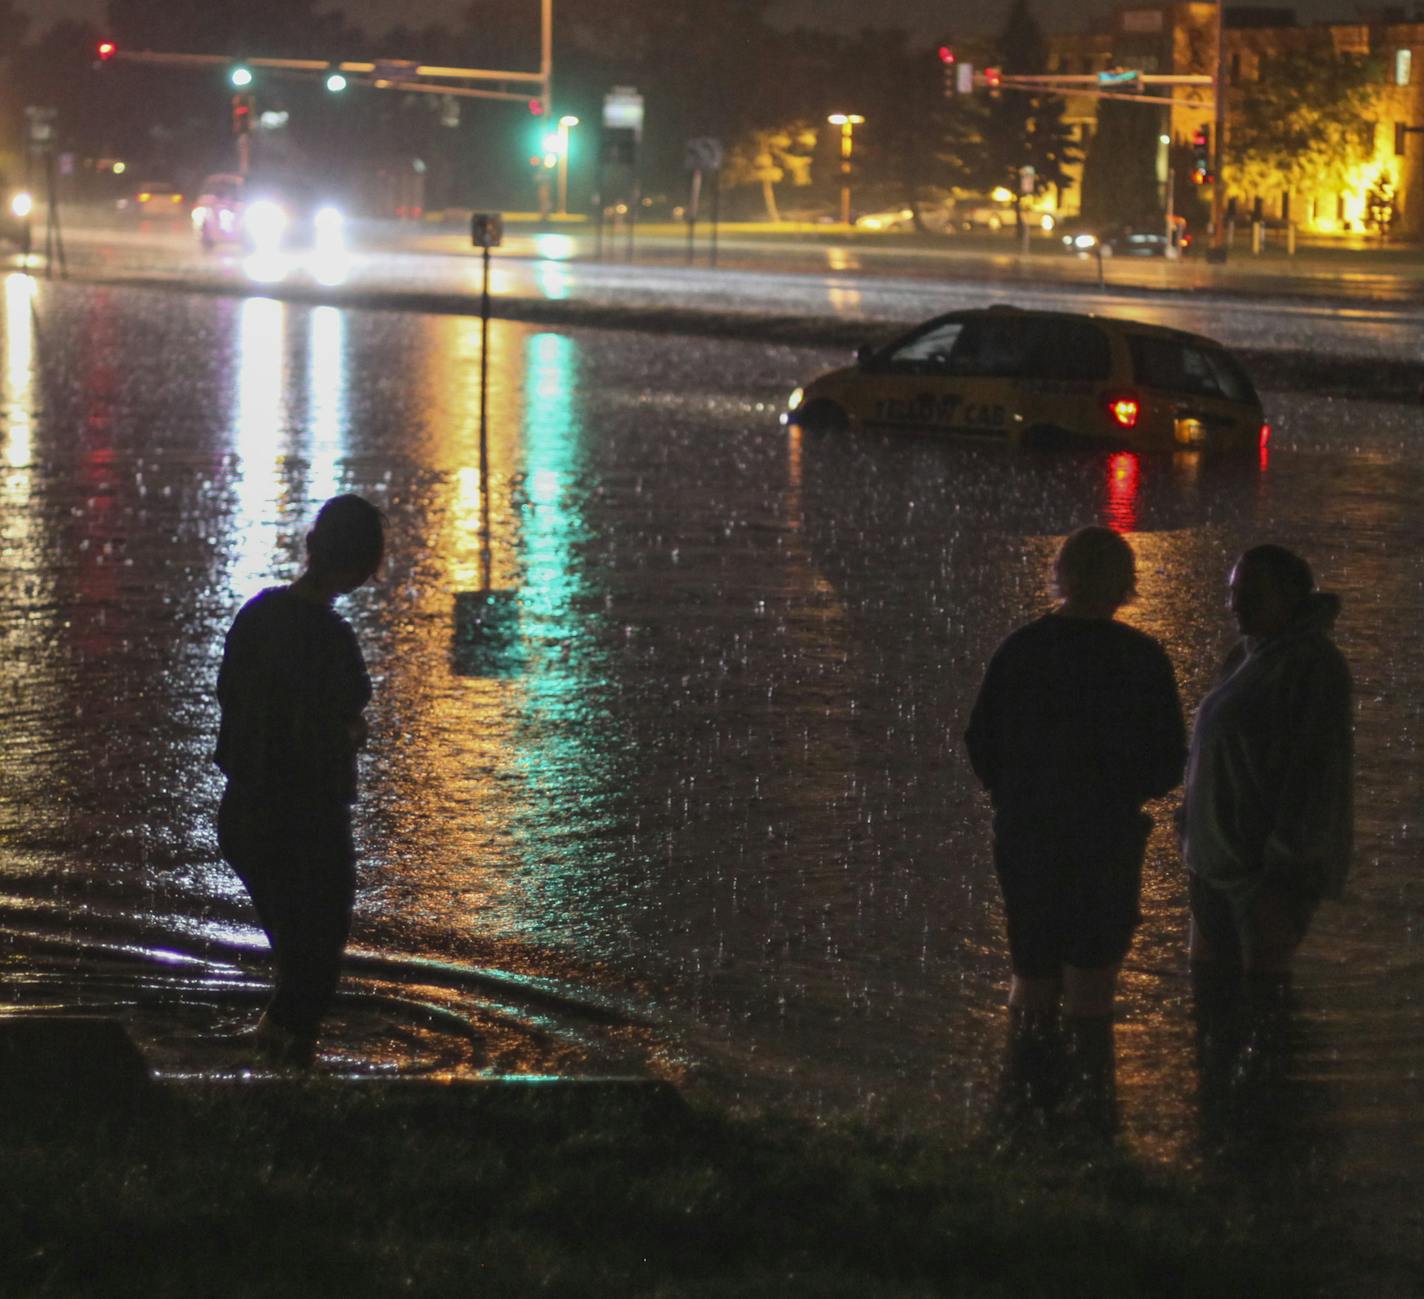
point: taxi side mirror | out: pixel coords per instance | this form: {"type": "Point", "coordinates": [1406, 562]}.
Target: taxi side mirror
{"type": "Point", "coordinates": [865, 356]}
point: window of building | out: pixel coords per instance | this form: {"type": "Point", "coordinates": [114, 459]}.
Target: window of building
{"type": "Point", "coordinates": [1399, 138]}
{"type": "Point", "coordinates": [1403, 66]}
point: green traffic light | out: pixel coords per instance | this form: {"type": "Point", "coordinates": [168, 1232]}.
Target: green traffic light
{"type": "Point", "coordinates": [240, 76]}
{"type": "Point", "coordinates": [336, 83]}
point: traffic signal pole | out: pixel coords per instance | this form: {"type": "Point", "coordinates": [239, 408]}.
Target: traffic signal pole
{"type": "Point", "coordinates": [1219, 248]}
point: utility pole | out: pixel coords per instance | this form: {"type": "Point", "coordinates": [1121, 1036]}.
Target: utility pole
{"type": "Point", "coordinates": [1219, 249]}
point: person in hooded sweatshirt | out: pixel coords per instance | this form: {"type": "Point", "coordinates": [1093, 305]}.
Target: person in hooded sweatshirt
{"type": "Point", "coordinates": [1267, 824]}
{"type": "Point", "coordinates": [1077, 724]}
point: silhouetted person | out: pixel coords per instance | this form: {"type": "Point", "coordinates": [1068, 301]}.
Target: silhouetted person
{"type": "Point", "coordinates": [292, 688]}
{"type": "Point", "coordinates": [1268, 823]}
{"type": "Point", "coordinates": [1077, 724]}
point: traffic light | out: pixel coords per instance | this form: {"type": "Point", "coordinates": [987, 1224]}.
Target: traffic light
{"type": "Point", "coordinates": [1201, 156]}
{"type": "Point", "coordinates": [106, 51]}
{"type": "Point", "coordinates": [994, 79]}
{"type": "Point", "coordinates": [947, 62]}
{"type": "Point", "coordinates": [242, 115]}
{"type": "Point", "coordinates": [335, 83]}
{"type": "Point", "coordinates": [240, 76]}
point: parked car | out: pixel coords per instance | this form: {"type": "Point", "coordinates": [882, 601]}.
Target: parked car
{"type": "Point", "coordinates": [1039, 377]}
{"type": "Point", "coordinates": [152, 198]}
{"type": "Point", "coordinates": [934, 217]}
{"type": "Point", "coordinates": [1126, 240]}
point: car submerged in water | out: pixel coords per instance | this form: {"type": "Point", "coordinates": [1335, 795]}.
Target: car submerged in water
{"type": "Point", "coordinates": [1038, 378]}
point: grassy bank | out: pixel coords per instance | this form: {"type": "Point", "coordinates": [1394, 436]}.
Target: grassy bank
{"type": "Point", "coordinates": [324, 1188]}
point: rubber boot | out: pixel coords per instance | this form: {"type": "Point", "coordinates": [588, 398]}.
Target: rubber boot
{"type": "Point", "coordinates": [1032, 1078]}
{"type": "Point", "coordinates": [1090, 1097]}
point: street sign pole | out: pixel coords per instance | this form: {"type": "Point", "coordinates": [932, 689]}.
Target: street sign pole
{"type": "Point", "coordinates": [716, 212]}
{"type": "Point", "coordinates": [1219, 249]}
{"type": "Point", "coordinates": [486, 232]}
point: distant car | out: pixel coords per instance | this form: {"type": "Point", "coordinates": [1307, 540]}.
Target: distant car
{"type": "Point", "coordinates": [934, 217]}
{"type": "Point", "coordinates": [153, 198]}
{"type": "Point", "coordinates": [895, 219]}
{"type": "Point", "coordinates": [1040, 377]}
{"type": "Point", "coordinates": [1000, 214]}
{"type": "Point", "coordinates": [16, 208]}
{"type": "Point", "coordinates": [266, 215]}
{"type": "Point", "coordinates": [983, 215]}
{"type": "Point", "coordinates": [1128, 240]}
{"type": "Point", "coordinates": [218, 211]}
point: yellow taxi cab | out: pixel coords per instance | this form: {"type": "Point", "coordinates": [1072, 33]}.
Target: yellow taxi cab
{"type": "Point", "coordinates": [1042, 377]}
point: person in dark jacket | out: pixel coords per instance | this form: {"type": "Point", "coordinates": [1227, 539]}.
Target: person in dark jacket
{"type": "Point", "coordinates": [292, 688]}
{"type": "Point", "coordinates": [1078, 723]}
{"type": "Point", "coordinates": [1267, 824]}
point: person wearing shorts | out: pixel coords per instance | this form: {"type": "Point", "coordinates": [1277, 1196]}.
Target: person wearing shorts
{"type": "Point", "coordinates": [1077, 724]}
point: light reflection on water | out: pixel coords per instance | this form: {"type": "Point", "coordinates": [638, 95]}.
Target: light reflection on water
{"type": "Point", "coordinates": [710, 757]}
{"type": "Point", "coordinates": [260, 480]}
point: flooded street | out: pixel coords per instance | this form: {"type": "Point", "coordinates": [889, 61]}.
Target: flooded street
{"type": "Point", "coordinates": [667, 774]}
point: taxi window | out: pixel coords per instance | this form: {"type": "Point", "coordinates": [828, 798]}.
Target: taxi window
{"type": "Point", "coordinates": [994, 347]}
{"type": "Point", "coordinates": [1187, 367]}
{"type": "Point", "coordinates": [928, 350]}
{"type": "Point", "coordinates": [1071, 350]}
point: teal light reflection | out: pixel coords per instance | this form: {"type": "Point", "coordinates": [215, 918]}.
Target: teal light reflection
{"type": "Point", "coordinates": [565, 727]}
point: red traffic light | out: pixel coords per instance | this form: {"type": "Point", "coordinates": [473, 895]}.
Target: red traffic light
{"type": "Point", "coordinates": [107, 50]}
{"type": "Point", "coordinates": [536, 107]}
{"type": "Point", "coordinates": [946, 54]}
{"type": "Point", "coordinates": [993, 77]}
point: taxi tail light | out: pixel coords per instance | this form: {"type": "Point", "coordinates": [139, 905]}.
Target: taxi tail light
{"type": "Point", "coordinates": [1263, 439]}
{"type": "Point", "coordinates": [1124, 409]}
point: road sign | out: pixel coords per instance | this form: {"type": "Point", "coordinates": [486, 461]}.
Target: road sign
{"type": "Point", "coordinates": [486, 229]}
{"type": "Point", "coordinates": [623, 110]}
{"type": "Point", "coordinates": [1120, 79]}
{"type": "Point", "coordinates": [40, 126]}
{"type": "Point", "coordinates": [704, 154]}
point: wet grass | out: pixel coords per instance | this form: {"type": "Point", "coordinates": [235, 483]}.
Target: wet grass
{"type": "Point", "coordinates": [321, 1188]}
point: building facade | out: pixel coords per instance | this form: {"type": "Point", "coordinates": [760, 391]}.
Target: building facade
{"type": "Point", "coordinates": [1387, 156]}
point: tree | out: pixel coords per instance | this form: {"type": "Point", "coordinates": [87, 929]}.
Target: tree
{"type": "Point", "coordinates": [767, 157]}
{"type": "Point", "coordinates": [13, 26]}
{"type": "Point", "coordinates": [1120, 173]}
{"type": "Point", "coordinates": [1303, 124]}
{"type": "Point", "coordinates": [1379, 203]}
{"type": "Point", "coordinates": [897, 85]}
{"type": "Point", "coordinates": [1020, 129]}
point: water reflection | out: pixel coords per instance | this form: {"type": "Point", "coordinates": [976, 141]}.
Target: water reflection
{"type": "Point", "coordinates": [19, 542]}
{"type": "Point", "coordinates": [19, 379]}
{"type": "Point", "coordinates": [326, 401]}
{"type": "Point", "coordinates": [260, 485]}
{"type": "Point", "coordinates": [1123, 482]}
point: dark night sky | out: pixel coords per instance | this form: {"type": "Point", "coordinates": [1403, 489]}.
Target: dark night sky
{"type": "Point", "coordinates": [931, 18]}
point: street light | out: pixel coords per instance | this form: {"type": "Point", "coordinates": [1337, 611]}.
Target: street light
{"type": "Point", "coordinates": [565, 123]}
{"type": "Point", "coordinates": [847, 122]}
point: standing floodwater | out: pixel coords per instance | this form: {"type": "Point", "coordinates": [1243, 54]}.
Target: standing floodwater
{"type": "Point", "coordinates": [677, 751]}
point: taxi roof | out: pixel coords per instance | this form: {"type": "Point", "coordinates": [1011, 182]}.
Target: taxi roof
{"type": "Point", "coordinates": [1110, 322]}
